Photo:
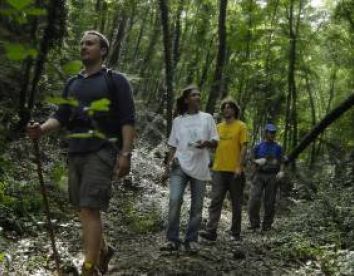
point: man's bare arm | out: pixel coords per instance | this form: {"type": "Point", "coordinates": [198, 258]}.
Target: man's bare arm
{"type": "Point", "coordinates": [123, 160]}
{"type": "Point", "coordinates": [128, 136]}
{"type": "Point", "coordinates": [36, 130]}
{"type": "Point", "coordinates": [243, 154]}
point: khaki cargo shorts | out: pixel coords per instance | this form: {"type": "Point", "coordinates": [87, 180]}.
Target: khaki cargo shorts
{"type": "Point", "coordinates": [90, 178]}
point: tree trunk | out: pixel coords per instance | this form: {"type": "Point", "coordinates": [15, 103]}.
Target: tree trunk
{"type": "Point", "coordinates": [103, 17]}
{"type": "Point", "coordinates": [168, 62]}
{"type": "Point", "coordinates": [208, 61]}
{"type": "Point", "coordinates": [291, 130]}
{"type": "Point", "coordinates": [118, 42]}
{"type": "Point", "coordinates": [149, 52]}
{"type": "Point", "coordinates": [313, 117]}
{"type": "Point", "coordinates": [98, 6]}
{"type": "Point", "coordinates": [333, 79]}
{"type": "Point", "coordinates": [23, 111]}
{"type": "Point", "coordinates": [140, 35]}
{"type": "Point", "coordinates": [244, 71]}
{"type": "Point", "coordinates": [177, 34]}
{"type": "Point", "coordinates": [126, 49]}
{"type": "Point", "coordinates": [320, 127]}
{"type": "Point", "coordinates": [217, 85]}
{"type": "Point", "coordinates": [53, 33]}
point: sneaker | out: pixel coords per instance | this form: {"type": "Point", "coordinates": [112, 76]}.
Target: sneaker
{"type": "Point", "coordinates": [88, 269]}
{"type": "Point", "coordinates": [104, 259]}
{"type": "Point", "coordinates": [192, 247]}
{"type": "Point", "coordinates": [208, 235]}
{"type": "Point", "coordinates": [170, 246]}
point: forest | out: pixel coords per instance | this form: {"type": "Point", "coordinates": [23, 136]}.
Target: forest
{"type": "Point", "coordinates": [286, 62]}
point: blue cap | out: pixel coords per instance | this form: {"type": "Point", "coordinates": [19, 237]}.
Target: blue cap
{"type": "Point", "coordinates": [270, 127]}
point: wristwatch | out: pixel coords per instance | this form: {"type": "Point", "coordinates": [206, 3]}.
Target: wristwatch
{"type": "Point", "coordinates": [126, 154]}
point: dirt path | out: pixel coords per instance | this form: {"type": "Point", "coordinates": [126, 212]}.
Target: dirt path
{"type": "Point", "coordinates": [135, 227]}
{"type": "Point", "coordinates": [139, 253]}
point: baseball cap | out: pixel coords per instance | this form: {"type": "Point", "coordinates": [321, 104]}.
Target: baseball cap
{"type": "Point", "coordinates": [270, 128]}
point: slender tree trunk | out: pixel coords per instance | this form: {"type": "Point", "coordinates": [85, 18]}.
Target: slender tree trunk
{"type": "Point", "coordinates": [207, 63]}
{"type": "Point", "coordinates": [244, 71]}
{"type": "Point", "coordinates": [98, 6]}
{"type": "Point", "coordinates": [177, 34]}
{"type": "Point", "coordinates": [23, 111]}
{"type": "Point", "coordinates": [321, 126]}
{"type": "Point", "coordinates": [118, 42]}
{"type": "Point", "coordinates": [293, 80]}
{"type": "Point", "coordinates": [313, 117]}
{"type": "Point", "coordinates": [168, 62]}
{"type": "Point", "coordinates": [333, 80]}
{"type": "Point", "coordinates": [291, 73]}
{"type": "Point", "coordinates": [141, 34]}
{"type": "Point", "coordinates": [126, 49]}
{"type": "Point", "coordinates": [269, 111]}
{"type": "Point", "coordinates": [191, 32]}
{"type": "Point", "coordinates": [52, 34]}
{"type": "Point", "coordinates": [148, 56]}
{"type": "Point", "coordinates": [290, 138]}
{"type": "Point", "coordinates": [103, 17]}
{"type": "Point", "coordinates": [217, 86]}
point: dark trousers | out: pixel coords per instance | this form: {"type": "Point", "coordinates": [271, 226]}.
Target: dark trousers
{"type": "Point", "coordinates": [268, 183]}
{"type": "Point", "coordinates": [221, 184]}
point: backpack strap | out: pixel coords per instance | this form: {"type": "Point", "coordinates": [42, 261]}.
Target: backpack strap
{"type": "Point", "coordinates": [68, 84]}
{"type": "Point", "coordinates": [112, 89]}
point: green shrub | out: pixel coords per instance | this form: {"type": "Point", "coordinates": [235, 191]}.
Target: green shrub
{"type": "Point", "coordinates": [141, 222]}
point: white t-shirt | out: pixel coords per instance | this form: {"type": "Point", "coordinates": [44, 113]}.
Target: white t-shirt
{"type": "Point", "coordinates": [186, 130]}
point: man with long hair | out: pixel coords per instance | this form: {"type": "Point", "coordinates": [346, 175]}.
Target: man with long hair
{"type": "Point", "coordinates": [228, 170]}
{"type": "Point", "coordinates": [193, 132]}
{"type": "Point", "coordinates": [93, 161]}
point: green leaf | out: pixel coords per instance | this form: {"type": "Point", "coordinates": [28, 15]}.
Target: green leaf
{"type": "Point", "coordinates": [19, 4]}
{"type": "Point", "coordinates": [72, 67]}
{"type": "Point", "coordinates": [60, 101]}
{"type": "Point", "coordinates": [99, 105]}
{"type": "Point", "coordinates": [32, 52]}
{"type": "Point", "coordinates": [18, 52]}
{"type": "Point", "coordinates": [7, 12]}
{"type": "Point", "coordinates": [35, 11]}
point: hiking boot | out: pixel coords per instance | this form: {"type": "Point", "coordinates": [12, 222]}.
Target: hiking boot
{"type": "Point", "coordinates": [170, 246]}
{"type": "Point", "coordinates": [208, 235]}
{"type": "Point", "coordinates": [104, 259]}
{"type": "Point", "coordinates": [191, 247]}
{"type": "Point", "coordinates": [88, 269]}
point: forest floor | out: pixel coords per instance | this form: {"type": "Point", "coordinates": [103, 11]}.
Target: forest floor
{"type": "Point", "coordinates": [137, 236]}
{"type": "Point", "coordinates": [135, 226]}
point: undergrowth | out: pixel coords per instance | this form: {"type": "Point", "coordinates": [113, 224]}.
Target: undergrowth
{"type": "Point", "coordinates": [321, 231]}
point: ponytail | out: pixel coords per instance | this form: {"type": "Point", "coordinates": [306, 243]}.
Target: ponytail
{"type": "Point", "coordinates": [181, 106]}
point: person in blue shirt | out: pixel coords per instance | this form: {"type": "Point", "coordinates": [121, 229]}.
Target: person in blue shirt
{"type": "Point", "coordinates": [267, 158]}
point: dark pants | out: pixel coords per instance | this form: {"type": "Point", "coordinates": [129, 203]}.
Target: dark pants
{"type": "Point", "coordinates": [268, 183]}
{"type": "Point", "coordinates": [223, 182]}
